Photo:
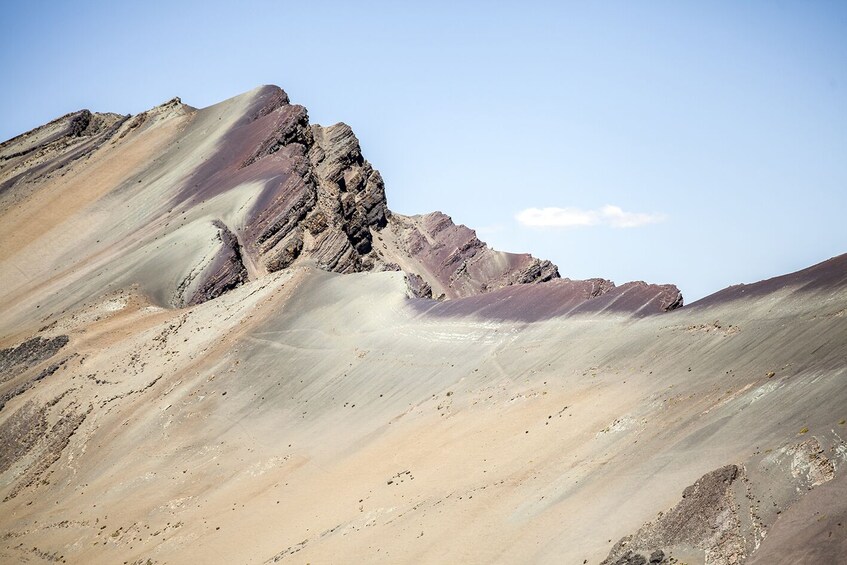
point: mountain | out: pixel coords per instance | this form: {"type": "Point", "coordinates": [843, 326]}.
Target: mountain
{"type": "Point", "coordinates": [244, 188]}
{"type": "Point", "coordinates": [219, 345]}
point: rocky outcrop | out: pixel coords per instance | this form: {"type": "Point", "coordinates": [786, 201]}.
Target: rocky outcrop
{"type": "Point", "coordinates": [453, 260]}
{"type": "Point", "coordinates": [25, 383]}
{"type": "Point", "coordinates": [418, 288]}
{"type": "Point", "coordinates": [324, 203]}
{"type": "Point", "coordinates": [16, 360]}
{"type": "Point", "coordinates": [644, 298]}
{"type": "Point", "coordinates": [317, 202]}
{"type": "Point", "coordinates": [20, 432]}
{"type": "Point", "coordinates": [706, 518]}
{"type": "Point", "coordinates": [226, 270]}
{"type": "Point", "coordinates": [351, 190]}
{"type": "Point", "coordinates": [52, 147]}
{"type": "Point", "coordinates": [671, 298]}
{"type": "Point", "coordinates": [321, 199]}
{"type": "Point", "coordinates": [631, 558]}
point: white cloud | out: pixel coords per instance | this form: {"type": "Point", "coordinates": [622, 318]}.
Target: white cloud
{"type": "Point", "coordinates": [612, 216]}
{"type": "Point", "coordinates": [617, 218]}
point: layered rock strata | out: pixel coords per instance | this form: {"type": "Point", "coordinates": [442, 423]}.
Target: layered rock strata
{"type": "Point", "coordinates": [306, 196]}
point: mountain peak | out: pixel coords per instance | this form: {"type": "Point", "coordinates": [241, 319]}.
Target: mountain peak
{"type": "Point", "coordinates": [245, 187]}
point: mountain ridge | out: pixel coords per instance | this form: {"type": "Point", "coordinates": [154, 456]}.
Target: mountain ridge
{"type": "Point", "coordinates": [216, 346]}
{"type": "Point", "coordinates": [319, 201]}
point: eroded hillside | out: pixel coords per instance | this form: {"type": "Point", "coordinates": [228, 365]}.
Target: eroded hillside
{"type": "Point", "coordinates": [219, 345]}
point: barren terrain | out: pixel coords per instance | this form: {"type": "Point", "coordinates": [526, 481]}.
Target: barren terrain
{"type": "Point", "coordinates": [218, 345]}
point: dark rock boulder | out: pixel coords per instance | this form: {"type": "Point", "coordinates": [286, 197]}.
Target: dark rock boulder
{"type": "Point", "coordinates": [706, 518]}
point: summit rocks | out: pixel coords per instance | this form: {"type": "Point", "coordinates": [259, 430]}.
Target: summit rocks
{"type": "Point", "coordinates": [249, 187]}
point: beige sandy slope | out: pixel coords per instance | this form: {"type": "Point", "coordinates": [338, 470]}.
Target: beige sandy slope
{"type": "Point", "coordinates": [110, 221]}
{"type": "Point", "coordinates": [318, 418]}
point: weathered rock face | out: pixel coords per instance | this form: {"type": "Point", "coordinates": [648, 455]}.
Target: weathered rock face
{"type": "Point", "coordinates": [313, 200]}
{"type": "Point", "coordinates": [706, 518]}
{"type": "Point", "coordinates": [320, 199]}
{"type": "Point", "coordinates": [351, 201]}
{"type": "Point", "coordinates": [453, 260]}
{"type": "Point", "coordinates": [418, 288]}
{"type": "Point", "coordinates": [631, 558]}
{"type": "Point", "coordinates": [224, 272]}
{"type": "Point", "coordinates": [16, 362]}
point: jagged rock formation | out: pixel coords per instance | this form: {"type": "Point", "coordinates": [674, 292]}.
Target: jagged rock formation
{"type": "Point", "coordinates": [453, 261]}
{"type": "Point", "coordinates": [418, 288]}
{"type": "Point", "coordinates": [324, 202]}
{"type": "Point", "coordinates": [16, 363]}
{"type": "Point", "coordinates": [315, 200]}
{"type": "Point", "coordinates": [330, 203]}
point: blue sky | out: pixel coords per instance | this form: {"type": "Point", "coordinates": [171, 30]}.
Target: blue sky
{"type": "Point", "coordinates": [703, 144]}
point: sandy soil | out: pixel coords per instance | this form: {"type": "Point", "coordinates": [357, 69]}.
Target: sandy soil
{"type": "Point", "coordinates": [310, 417]}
